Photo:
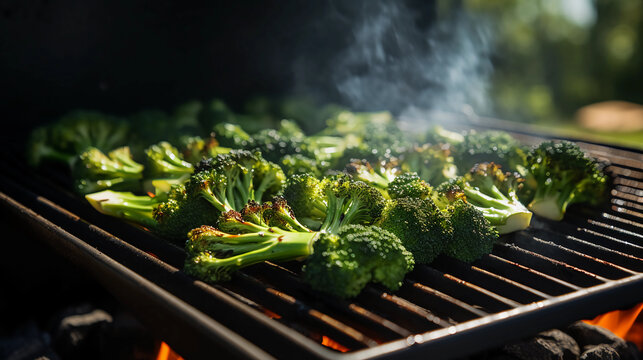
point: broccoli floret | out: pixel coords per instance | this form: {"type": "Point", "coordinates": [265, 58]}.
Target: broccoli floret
{"type": "Point", "coordinates": [195, 148]}
{"type": "Point", "coordinates": [94, 171]}
{"type": "Point", "coordinates": [496, 192]}
{"type": "Point", "coordinates": [350, 201]}
{"type": "Point", "coordinates": [421, 226]}
{"type": "Point", "coordinates": [163, 160]}
{"type": "Point", "coordinates": [433, 163]}
{"type": "Point", "coordinates": [490, 146]}
{"type": "Point", "coordinates": [268, 180]}
{"type": "Point", "coordinates": [342, 264]}
{"type": "Point", "coordinates": [379, 176]}
{"type": "Point", "coordinates": [73, 133]}
{"type": "Point", "coordinates": [305, 194]}
{"type": "Point", "coordinates": [244, 239]}
{"type": "Point", "coordinates": [225, 182]}
{"type": "Point", "coordinates": [473, 235]}
{"type": "Point", "coordinates": [137, 209]}
{"type": "Point", "coordinates": [563, 175]}
{"type": "Point", "coordinates": [409, 185]}
{"type": "Point", "coordinates": [482, 189]}
{"type": "Point", "coordinates": [275, 145]}
{"type": "Point", "coordinates": [333, 201]}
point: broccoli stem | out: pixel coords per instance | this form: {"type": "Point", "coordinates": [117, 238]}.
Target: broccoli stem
{"type": "Point", "coordinates": [503, 213]}
{"type": "Point", "coordinates": [333, 214]}
{"type": "Point", "coordinates": [244, 250]}
{"type": "Point", "coordinates": [263, 186]}
{"type": "Point", "coordinates": [125, 205]}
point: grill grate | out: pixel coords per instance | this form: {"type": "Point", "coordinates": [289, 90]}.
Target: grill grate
{"type": "Point", "coordinates": [550, 274]}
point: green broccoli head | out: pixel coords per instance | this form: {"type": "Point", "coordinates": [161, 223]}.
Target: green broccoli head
{"type": "Point", "coordinates": [268, 180]}
{"type": "Point", "coordinates": [94, 171]}
{"type": "Point", "coordinates": [275, 145]}
{"type": "Point", "coordinates": [433, 163]}
{"type": "Point", "coordinates": [379, 175]}
{"type": "Point", "coordinates": [183, 211]}
{"type": "Point", "coordinates": [409, 185]}
{"type": "Point", "coordinates": [305, 194]}
{"type": "Point", "coordinates": [421, 226]}
{"type": "Point", "coordinates": [162, 160]}
{"type": "Point", "coordinates": [343, 264]}
{"type": "Point", "coordinates": [473, 235]}
{"type": "Point", "coordinates": [490, 146]}
{"type": "Point", "coordinates": [563, 175]}
{"type": "Point", "coordinates": [350, 201]}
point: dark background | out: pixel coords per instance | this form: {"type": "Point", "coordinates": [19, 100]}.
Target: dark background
{"type": "Point", "coordinates": [123, 56]}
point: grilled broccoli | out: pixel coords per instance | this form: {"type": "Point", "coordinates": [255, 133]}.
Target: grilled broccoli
{"type": "Point", "coordinates": [421, 226]}
{"type": "Point", "coordinates": [164, 161]}
{"type": "Point", "coordinates": [562, 175]}
{"type": "Point", "coordinates": [493, 193]}
{"type": "Point", "coordinates": [94, 171]}
{"type": "Point", "coordinates": [225, 182]}
{"type": "Point", "coordinates": [490, 146]}
{"type": "Point", "coordinates": [409, 185]}
{"type": "Point", "coordinates": [73, 133]}
{"type": "Point", "coordinates": [342, 264]}
{"type": "Point", "coordinates": [138, 209]}
{"type": "Point", "coordinates": [497, 192]}
{"type": "Point", "coordinates": [379, 176]}
{"type": "Point", "coordinates": [335, 201]}
{"type": "Point", "coordinates": [245, 238]}
{"type": "Point", "coordinates": [473, 235]}
{"type": "Point", "coordinates": [433, 163]}
{"type": "Point", "coordinates": [195, 148]}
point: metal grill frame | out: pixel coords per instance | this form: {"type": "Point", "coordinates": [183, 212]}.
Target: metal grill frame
{"type": "Point", "coordinates": [142, 271]}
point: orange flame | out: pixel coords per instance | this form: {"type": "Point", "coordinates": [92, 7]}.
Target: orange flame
{"type": "Point", "coordinates": [623, 323]}
{"type": "Point", "coordinates": [328, 342]}
{"type": "Point", "coordinates": [166, 353]}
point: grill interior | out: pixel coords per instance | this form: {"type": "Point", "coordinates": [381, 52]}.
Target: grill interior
{"type": "Point", "coordinates": [549, 275]}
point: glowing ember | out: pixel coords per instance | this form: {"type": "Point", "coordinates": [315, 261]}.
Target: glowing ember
{"type": "Point", "coordinates": [622, 323]}
{"type": "Point", "coordinates": [328, 342]}
{"type": "Point", "coordinates": [166, 353]}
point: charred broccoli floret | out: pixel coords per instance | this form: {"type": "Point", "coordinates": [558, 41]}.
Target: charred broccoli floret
{"type": "Point", "coordinates": [342, 264]}
{"type": "Point", "coordinates": [379, 176]}
{"type": "Point", "coordinates": [94, 171]}
{"type": "Point", "coordinates": [225, 182]}
{"type": "Point", "coordinates": [562, 175]}
{"type": "Point", "coordinates": [421, 226]}
{"type": "Point", "coordinates": [246, 239]}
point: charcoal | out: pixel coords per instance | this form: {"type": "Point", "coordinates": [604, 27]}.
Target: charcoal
{"type": "Point", "coordinates": [587, 335]}
{"type": "Point", "coordinates": [76, 330]}
{"type": "Point", "coordinates": [600, 352]}
{"type": "Point", "coordinates": [551, 344]}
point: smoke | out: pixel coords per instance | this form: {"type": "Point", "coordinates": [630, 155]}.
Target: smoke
{"type": "Point", "coordinates": [395, 59]}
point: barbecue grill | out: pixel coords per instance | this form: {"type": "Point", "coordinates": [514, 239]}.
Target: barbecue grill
{"type": "Point", "coordinates": [550, 275]}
